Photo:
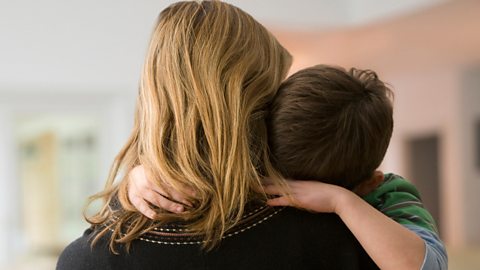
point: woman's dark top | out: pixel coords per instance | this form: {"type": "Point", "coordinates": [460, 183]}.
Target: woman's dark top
{"type": "Point", "coordinates": [267, 238]}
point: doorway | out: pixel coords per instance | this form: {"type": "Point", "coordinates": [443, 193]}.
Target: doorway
{"type": "Point", "coordinates": [423, 164]}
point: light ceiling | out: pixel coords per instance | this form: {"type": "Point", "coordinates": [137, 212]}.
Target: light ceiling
{"type": "Point", "coordinates": [94, 45]}
{"type": "Point", "coordinates": [322, 14]}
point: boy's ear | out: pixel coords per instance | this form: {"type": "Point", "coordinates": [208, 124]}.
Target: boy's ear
{"type": "Point", "coordinates": [377, 178]}
{"type": "Point", "coordinates": [370, 184]}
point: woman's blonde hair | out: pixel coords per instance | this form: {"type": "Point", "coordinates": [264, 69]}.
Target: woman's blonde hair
{"type": "Point", "coordinates": [210, 72]}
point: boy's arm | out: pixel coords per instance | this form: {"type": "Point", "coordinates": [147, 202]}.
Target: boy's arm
{"type": "Point", "coordinates": [400, 200]}
{"type": "Point", "coordinates": [389, 244]}
{"type": "Point", "coordinates": [436, 255]}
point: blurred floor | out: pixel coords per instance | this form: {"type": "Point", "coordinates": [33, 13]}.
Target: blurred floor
{"type": "Point", "coordinates": [465, 259]}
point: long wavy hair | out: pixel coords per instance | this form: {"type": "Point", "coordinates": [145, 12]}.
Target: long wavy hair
{"type": "Point", "coordinates": [210, 72]}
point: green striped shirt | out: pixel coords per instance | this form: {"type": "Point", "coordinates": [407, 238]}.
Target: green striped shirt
{"type": "Point", "coordinates": [400, 200]}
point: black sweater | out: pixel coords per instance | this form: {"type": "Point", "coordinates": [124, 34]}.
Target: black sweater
{"type": "Point", "coordinates": [268, 238]}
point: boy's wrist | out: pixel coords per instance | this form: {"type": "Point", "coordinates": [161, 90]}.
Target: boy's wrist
{"type": "Point", "coordinates": [345, 200]}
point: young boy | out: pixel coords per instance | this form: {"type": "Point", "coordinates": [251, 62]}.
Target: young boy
{"type": "Point", "coordinates": [334, 126]}
{"type": "Point", "coordinates": [331, 128]}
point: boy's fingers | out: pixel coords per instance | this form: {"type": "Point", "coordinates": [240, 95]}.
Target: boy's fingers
{"type": "Point", "coordinates": [272, 190]}
{"type": "Point", "coordinates": [280, 201]}
{"type": "Point", "coordinates": [143, 207]}
{"type": "Point", "coordinates": [270, 181]}
{"type": "Point", "coordinates": [267, 181]}
{"type": "Point", "coordinates": [191, 192]}
{"type": "Point", "coordinates": [296, 183]}
{"type": "Point", "coordinates": [151, 186]}
{"type": "Point", "coordinates": [176, 196]}
{"type": "Point", "coordinates": [162, 202]}
{"type": "Point", "coordinates": [179, 198]}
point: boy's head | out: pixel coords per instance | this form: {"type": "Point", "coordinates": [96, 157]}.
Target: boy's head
{"type": "Point", "coordinates": [331, 125]}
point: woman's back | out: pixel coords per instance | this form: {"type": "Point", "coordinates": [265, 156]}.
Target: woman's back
{"type": "Point", "coordinates": [267, 238]}
{"type": "Point", "coordinates": [200, 130]}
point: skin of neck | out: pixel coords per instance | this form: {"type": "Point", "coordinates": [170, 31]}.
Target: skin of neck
{"type": "Point", "coordinates": [369, 185]}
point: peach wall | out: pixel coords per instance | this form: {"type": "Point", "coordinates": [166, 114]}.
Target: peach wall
{"type": "Point", "coordinates": [470, 116]}
{"type": "Point", "coordinates": [423, 56]}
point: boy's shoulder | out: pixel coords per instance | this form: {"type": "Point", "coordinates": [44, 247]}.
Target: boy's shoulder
{"type": "Point", "coordinates": [400, 200]}
{"type": "Point", "coordinates": [393, 189]}
{"type": "Point", "coordinates": [394, 183]}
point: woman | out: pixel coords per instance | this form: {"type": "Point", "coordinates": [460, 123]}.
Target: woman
{"type": "Point", "coordinates": [209, 74]}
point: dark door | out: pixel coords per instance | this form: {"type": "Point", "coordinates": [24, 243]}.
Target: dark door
{"type": "Point", "coordinates": [424, 171]}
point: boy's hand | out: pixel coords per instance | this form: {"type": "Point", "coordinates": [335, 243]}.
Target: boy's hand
{"type": "Point", "coordinates": [309, 195]}
{"type": "Point", "coordinates": [141, 192]}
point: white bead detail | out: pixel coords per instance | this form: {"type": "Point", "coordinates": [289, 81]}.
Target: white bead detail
{"type": "Point", "coordinates": [225, 236]}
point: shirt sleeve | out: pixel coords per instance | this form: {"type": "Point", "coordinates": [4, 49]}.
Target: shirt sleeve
{"type": "Point", "coordinates": [400, 200]}
{"type": "Point", "coordinates": [435, 252]}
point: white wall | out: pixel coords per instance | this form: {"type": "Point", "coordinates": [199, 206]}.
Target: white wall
{"type": "Point", "coordinates": [9, 189]}
{"type": "Point", "coordinates": [73, 44]}
{"type": "Point", "coordinates": [115, 115]}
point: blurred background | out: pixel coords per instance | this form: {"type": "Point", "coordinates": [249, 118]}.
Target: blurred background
{"type": "Point", "coordinates": [68, 78]}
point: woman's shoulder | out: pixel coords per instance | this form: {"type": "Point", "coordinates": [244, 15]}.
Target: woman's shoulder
{"type": "Point", "coordinates": [278, 238]}
{"type": "Point", "coordinates": [80, 255]}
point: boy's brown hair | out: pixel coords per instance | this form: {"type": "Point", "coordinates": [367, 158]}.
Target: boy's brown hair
{"type": "Point", "coordinates": [331, 125]}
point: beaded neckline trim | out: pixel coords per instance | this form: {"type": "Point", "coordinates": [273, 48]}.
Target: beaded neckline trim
{"type": "Point", "coordinates": [179, 236]}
